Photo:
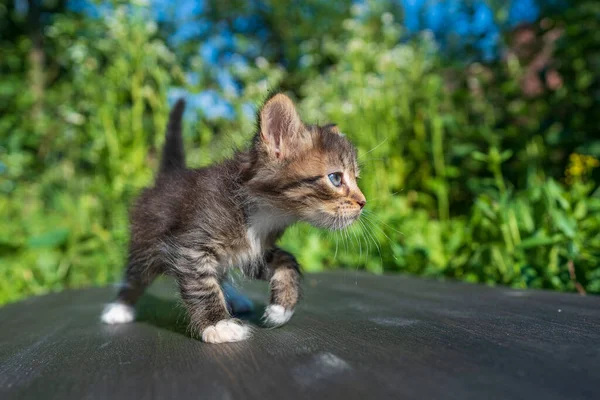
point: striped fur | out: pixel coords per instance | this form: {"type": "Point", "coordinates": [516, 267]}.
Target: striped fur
{"type": "Point", "coordinates": [196, 224]}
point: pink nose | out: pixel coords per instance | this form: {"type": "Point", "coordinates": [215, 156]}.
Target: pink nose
{"type": "Point", "coordinates": [361, 203]}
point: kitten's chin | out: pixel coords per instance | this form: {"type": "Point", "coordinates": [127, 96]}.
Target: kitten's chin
{"type": "Point", "coordinates": [331, 222]}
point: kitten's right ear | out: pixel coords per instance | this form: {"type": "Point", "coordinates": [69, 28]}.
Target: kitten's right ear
{"type": "Point", "coordinates": [280, 125]}
{"type": "Point", "coordinates": [333, 128]}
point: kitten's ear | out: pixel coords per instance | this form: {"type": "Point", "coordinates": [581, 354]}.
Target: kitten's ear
{"type": "Point", "coordinates": [333, 128]}
{"type": "Point", "coordinates": [280, 125]}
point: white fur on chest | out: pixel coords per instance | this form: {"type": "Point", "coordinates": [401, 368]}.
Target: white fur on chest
{"type": "Point", "coordinates": [261, 225]}
{"type": "Point", "coordinates": [256, 242]}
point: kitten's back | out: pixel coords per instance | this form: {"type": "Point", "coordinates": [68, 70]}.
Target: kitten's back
{"type": "Point", "coordinates": [190, 199]}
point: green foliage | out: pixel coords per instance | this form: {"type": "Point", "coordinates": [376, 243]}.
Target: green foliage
{"type": "Point", "coordinates": [69, 171]}
{"type": "Point", "coordinates": [465, 176]}
{"type": "Point", "coordinates": [455, 213]}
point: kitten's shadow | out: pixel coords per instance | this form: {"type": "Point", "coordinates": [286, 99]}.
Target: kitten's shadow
{"type": "Point", "coordinates": [170, 314]}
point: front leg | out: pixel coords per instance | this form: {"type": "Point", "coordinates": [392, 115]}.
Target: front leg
{"type": "Point", "coordinates": [198, 278]}
{"type": "Point", "coordinates": [283, 272]}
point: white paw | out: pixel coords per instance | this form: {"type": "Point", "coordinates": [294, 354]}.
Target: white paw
{"type": "Point", "coordinates": [276, 315]}
{"type": "Point", "coordinates": [227, 330]}
{"type": "Point", "coordinates": [117, 313]}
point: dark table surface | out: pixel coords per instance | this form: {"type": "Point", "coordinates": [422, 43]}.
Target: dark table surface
{"type": "Point", "coordinates": [354, 336]}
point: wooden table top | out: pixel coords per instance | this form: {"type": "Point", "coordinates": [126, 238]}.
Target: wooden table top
{"type": "Point", "coordinates": [354, 336]}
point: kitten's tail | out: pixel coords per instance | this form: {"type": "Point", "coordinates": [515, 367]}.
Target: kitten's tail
{"type": "Point", "coordinates": [173, 156]}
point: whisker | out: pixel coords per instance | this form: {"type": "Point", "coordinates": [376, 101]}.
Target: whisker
{"type": "Point", "coordinates": [345, 238]}
{"type": "Point", "coordinates": [363, 161]}
{"type": "Point", "coordinates": [384, 197]}
{"type": "Point", "coordinates": [372, 224]}
{"type": "Point", "coordinates": [360, 255]}
{"type": "Point", "coordinates": [368, 213]}
{"type": "Point", "coordinates": [362, 231]}
{"type": "Point", "coordinates": [336, 245]}
{"type": "Point", "coordinates": [366, 241]}
{"type": "Point", "coordinates": [376, 245]}
{"type": "Point", "coordinates": [359, 244]}
{"type": "Point", "coordinates": [374, 148]}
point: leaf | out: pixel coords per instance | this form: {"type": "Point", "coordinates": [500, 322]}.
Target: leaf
{"type": "Point", "coordinates": [505, 155]}
{"type": "Point", "coordinates": [539, 241]}
{"type": "Point", "coordinates": [479, 156]}
{"type": "Point", "coordinates": [556, 193]}
{"type": "Point", "coordinates": [53, 238]}
{"type": "Point", "coordinates": [580, 210]}
{"type": "Point", "coordinates": [565, 224]}
{"type": "Point", "coordinates": [524, 214]}
{"type": "Point", "coordinates": [486, 209]}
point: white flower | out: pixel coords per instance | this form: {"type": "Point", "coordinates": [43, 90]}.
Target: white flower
{"type": "Point", "coordinates": [347, 107]}
{"type": "Point", "coordinates": [78, 52]}
{"type": "Point", "coordinates": [355, 45]}
{"type": "Point", "coordinates": [403, 56]}
{"type": "Point", "coordinates": [428, 35]}
{"type": "Point", "coordinates": [73, 117]}
{"type": "Point", "coordinates": [151, 27]}
{"type": "Point", "coordinates": [385, 59]}
{"type": "Point", "coordinates": [349, 24]}
{"type": "Point", "coordinates": [262, 63]}
{"type": "Point", "coordinates": [306, 60]}
{"type": "Point", "coordinates": [263, 85]}
{"type": "Point", "coordinates": [358, 9]}
{"type": "Point", "coordinates": [387, 18]}
{"type": "Point", "coordinates": [373, 81]}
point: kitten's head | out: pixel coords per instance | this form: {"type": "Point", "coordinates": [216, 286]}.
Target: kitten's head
{"type": "Point", "coordinates": [307, 172]}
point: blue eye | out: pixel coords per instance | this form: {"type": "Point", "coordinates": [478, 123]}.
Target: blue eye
{"type": "Point", "coordinates": [336, 179]}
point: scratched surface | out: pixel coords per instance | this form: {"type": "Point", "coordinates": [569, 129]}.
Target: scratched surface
{"type": "Point", "coordinates": [353, 337]}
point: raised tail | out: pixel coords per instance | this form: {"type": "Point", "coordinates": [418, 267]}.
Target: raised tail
{"type": "Point", "coordinates": [173, 156]}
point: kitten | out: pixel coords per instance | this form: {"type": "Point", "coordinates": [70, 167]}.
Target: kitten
{"type": "Point", "coordinates": [196, 224]}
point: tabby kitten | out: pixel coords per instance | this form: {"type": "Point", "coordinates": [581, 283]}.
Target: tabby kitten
{"type": "Point", "coordinates": [196, 224]}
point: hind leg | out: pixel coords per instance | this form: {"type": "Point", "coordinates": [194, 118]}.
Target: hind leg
{"type": "Point", "coordinates": [136, 280]}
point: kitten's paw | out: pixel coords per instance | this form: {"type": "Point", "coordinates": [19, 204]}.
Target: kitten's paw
{"type": "Point", "coordinates": [275, 315]}
{"type": "Point", "coordinates": [238, 303]}
{"type": "Point", "coordinates": [117, 313]}
{"type": "Point", "coordinates": [227, 330]}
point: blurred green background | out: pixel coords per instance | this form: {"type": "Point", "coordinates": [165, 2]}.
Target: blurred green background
{"type": "Point", "coordinates": [476, 124]}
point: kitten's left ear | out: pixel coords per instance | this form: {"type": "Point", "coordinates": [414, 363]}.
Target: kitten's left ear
{"type": "Point", "coordinates": [280, 125]}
